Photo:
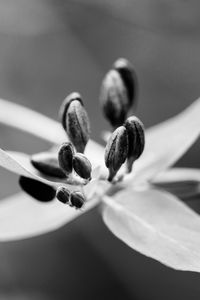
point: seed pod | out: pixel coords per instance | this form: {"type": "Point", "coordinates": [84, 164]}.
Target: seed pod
{"type": "Point", "coordinates": [116, 151]}
{"type": "Point", "coordinates": [65, 157]}
{"type": "Point", "coordinates": [77, 199]}
{"type": "Point", "coordinates": [63, 194]}
{"type": "Point", "coordinates": [128, 75]}
{"type": "Point", "coordinates": [82, 165]}
{"type": "Point", "coordinates": [114, 98]}
{"type": "Point", "coordinates": [47, 163]}
{"type": "Point", "coordinates": [38, 190]}
{"type": "Point", "coordinates": [64, 107]}
{"type": "Point", "coordinates": [136, 139]}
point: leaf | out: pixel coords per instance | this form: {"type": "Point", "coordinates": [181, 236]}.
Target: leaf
{"type": "Point", "coordinates": [168, 141]}
{"type": "Point", "coordinates": [23, 217]}
{"type": "Point", "coordinates": [157, 225]}
{"type": "Point", "coordinates": [32, 122]}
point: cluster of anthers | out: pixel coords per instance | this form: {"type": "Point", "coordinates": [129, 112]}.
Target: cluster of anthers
{"type": "Point", "coordinates": [125, 144]}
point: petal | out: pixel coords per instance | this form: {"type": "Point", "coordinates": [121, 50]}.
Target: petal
{"type": "Point", "coordinates": [23, 217]}
{"type": "Point", "coordinates": [19, 117]}
{"type": "Point", "coordinates": [182, 182]}
{"type": "Point", "coordinates": [168, 141]}
{"type": "Point", "coordinates": [157, 225]}
{"type": "Point", "coordinates": [27, 120]}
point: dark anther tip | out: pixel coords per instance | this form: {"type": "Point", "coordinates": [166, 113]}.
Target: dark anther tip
{"type": "Point", "coordinates": [36, 189]}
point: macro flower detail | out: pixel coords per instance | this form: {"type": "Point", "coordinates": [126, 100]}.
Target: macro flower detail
{"type": "Point", "coordinates": [136, 140]}
{"type": "Point", "coordinates": [116, 151]}
{"type": "Point", "coordinates": [142, 208]}
{"type": "Point", "coordinates": [47, 163]}
{"type": "Point", "coordinates": [75, 121]}
{"type": "Point", "coordinates": [82, 166]}
{"type": "Point", "coordinates": [65, 158]}
{"type": "Point", "coordinates": [118, 92]}
{"type": "Point", "coordinates": [128, 75]}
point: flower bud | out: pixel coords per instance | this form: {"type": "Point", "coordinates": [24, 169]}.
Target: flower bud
{"type": "Point", "coordinates": [114, 98]}
{"type": "Point", "coordinates": [82, 165]}
{"type": "Point", "coordinates": [77, 199]}
{"type": "Point", "coordinates": [116, 151]}
{"type": "Point", "coordinates": [128, 75]}
{"type": "Point", "coordinates": [36, 189]}
{"type": "Point", "coordinates": [77, 124]}
{"type": "Point", "coordinates": [63, 194]}
{"type": "Point", "coordinates": [47, 163]}
{"type": "Point", "coordinates": [136, 139]}
{"type": "Point", "coordinates": [65, 157]}
{"type": "Point", "coordinates": [64, 107]}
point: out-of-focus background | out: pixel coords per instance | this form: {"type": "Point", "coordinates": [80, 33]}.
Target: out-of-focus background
{"type": "Point", "coordinates": [51, 48]}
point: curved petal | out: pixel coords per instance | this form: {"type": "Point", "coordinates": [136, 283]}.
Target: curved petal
{"type": "Point", "coordinates": [23, 217]}
{"type": "Point", "coordinates": [157, 225]}
{"type": "Point", "coordinates": [168, 141]}
{"type": "Point", "coordinates": [19, 117]}
{"type": "Point", "coordinates": [184, 183]}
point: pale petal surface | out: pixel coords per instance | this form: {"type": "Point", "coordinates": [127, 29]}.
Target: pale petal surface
{"type": "Point", "coordinates": [168, 141]}
{"type": "Point", "coordinates": [183, 182]}
{"type": "Point", "coordinates": [18, 116]}
{"type": "Point", "coordinates": [23, 217]}
{"type": "Point", "coordinates": [157, 225]}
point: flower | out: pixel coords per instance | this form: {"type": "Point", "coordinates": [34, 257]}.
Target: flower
{"type": "Point", "coordinates": [142, 210]}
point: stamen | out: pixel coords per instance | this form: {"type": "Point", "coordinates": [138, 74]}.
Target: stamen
{"type": "Point", "coordinates": [75, 121]}
{"type": "Point", "coordinates": [47, 163]}
{"type": "Point", "coordinates": [65, 157]}
{"type": "Point", "coordinates": [136, 140]}
{"type": "Point", "coordinates": [116, 151]}
{"type": "Point", "coordinates": [82, 166]}
{"type": "Point", "coordinates": [36, 189]}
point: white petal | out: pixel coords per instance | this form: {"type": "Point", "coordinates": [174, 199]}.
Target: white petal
{"type": "Point", "coordinates": [23, 217]}
{"type": "Point", "coordinates": [168, 141]}
{"type": "Point", "coordinates": [182, 182]}
{"type": "Point", "coordinates": [157, 225]}
{"type": "Point", "coordinates": [27, 120]}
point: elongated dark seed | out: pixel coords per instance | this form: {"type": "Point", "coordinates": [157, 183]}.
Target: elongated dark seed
{"type": "Point", "coordinates": [128, 75]}
{"type": "Point", "coordinates": [63, 194]}
{"type": "Point", "coordinates": [47, 163]}
{"type": "Point", "coordinates": [36, 189]}
{"type": "Point", "coordinates": [114, 98]}
{"type": "Point", "coordinates": [65, 157]}
{"type": "Point", "coordinates": [64, 107]}
{"type": "Point", "coordinates": [82, 165]}
{"type": "Point", "coordinates": [77, 199]}
{"type": "Point", "coordinates": [116, 151]}
{"type": "Point", "coordinates": [136, 139]}
{"type": "Point", "coordinates": [77, 125]}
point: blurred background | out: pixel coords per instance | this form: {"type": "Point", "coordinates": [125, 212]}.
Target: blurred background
{"type": "Point", "coordinates": [51, 48]}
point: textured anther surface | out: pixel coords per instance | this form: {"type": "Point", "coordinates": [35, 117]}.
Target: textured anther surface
{"type": "Point", "coordinates": [77, 125]}
{"type": "Point", "coordinates": [114, 98]}
{"type": "Point", "coordinates": [82, 165]}
{"type": "Point", "coordinates": [65, 157]}
{"type": "Point", "coordinates": [116, 151]}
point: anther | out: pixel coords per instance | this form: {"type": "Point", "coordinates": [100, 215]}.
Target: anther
{"type": "Point", "coordinates": [75, 121]}
{"type": "Point", "coordinates": [63, 194]}
{"type": "Point", "coordinates": [64, 107]}
{"type": "Point", "coordinates": [128, 75]}
{"type": "Point", "coordinates": [136, 140]}
{"type": "Point", "coordinates": [65, 157]}
{"type": "Point", "coordinates": [77, 199]}
{"type": "Point", "coordinates": [116, 151]}
{"type": "Point", "coordinates": [47, 163]}
{"type": "Point", "coordinates": [114, 98]}
{"type": "Point", "coordinates": [36, 189]}
{"type": "Point", "coordinates": [82, 166]}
